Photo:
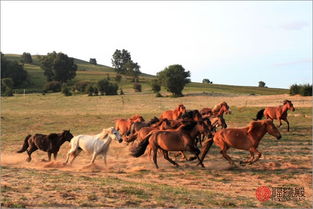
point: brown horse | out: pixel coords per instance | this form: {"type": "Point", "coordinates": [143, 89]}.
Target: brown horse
{"type": "Point", "coordinates": [174, 114]}
{"type": "Point", "coordinates": [279, 113]}
{"type": "Point", "coordinates": [49, 143]}
{"type": "Point", "coordinates": [217, 110]}
{"type": "Point", "coordinates": [179, 140]}
{"type": "Point", "coordinates": [247, 138]}
{"type": "Point", "coordinates": [136, 126]}
{"type": "Point", "coordinates": [123, 125]}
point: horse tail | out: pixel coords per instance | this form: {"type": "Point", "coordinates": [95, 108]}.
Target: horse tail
{"type": "Point", "coordinates": [259, 115]}
{"type": "Point", "coordinates": [25, 145]}
{"type": "Point", "coordinates": [141, 148]}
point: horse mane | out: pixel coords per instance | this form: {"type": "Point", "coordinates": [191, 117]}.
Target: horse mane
{"type": "Point", "coordinates": [105, 132]}
{"type": "Point", "coordinates": [189, 126]}
{"type": "Point", "coordinates": [286, 101]}
{"type": "Point", "coordinates": [153, 121]}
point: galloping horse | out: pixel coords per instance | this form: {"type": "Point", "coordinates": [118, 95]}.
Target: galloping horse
{"type": "Point", "coordinates": [123, 125]}
{"type": "Point", "coordinates": [279, 113]}
{"type": "Point", "coordinates": [95, 145]}
{"type": "Point", "coordinates": [179, 140]}
{"type": "Point", "coordinates": [217, 110]}
{"type": "Point", "coordinates": [49, 143]}
{"type": "Point", "coordinates": [136, 126]}
{"type": "Point", "coordinates": [174, 114]}
{"type": "Point", "coordinates": [247, 138]}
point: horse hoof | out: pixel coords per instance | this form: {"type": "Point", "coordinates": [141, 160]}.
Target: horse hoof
{"type": "Point", "coordinates": [44, 160]}
{"type": "Point", "coordinates": [192, 158]}
{"type": "Point", "coordinates": [28, 160]}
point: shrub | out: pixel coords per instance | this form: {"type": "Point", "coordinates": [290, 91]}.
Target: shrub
{"type": "Point", "coordinates": [7, 87]}
{"type": "Point", "coordinates": [118, 78]}
{"type": "Point", "coordinates": [90, 90]}
{"type": "Point", "coordinates": [54, 86]}
{"type": "Point", "coordinates": [156, 87]}
{"type": "Point", "coordinates": [81, 86]}
{"type": "Point", "coordinates": [66, 91]}
{"type": "Point", "coordinates": [302, 89]}
{"type": "Point", "coordinates": [112, 89]}
{"type": "Point", "coordinates": [261, 84]}
{"type": "Point", "coordinates": [137, 87]}
{"type": "Point", "coordinates": [96, 92]}
{"type": "Point", "coordinates": [121, 92]}
{"type": "Point", "coordinates": [107, 88]}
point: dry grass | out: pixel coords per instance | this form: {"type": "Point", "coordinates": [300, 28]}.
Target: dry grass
{"type": "Point", "coordinates": [132, 182]}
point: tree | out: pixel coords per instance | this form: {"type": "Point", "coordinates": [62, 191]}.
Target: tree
{"type": "Point", "coordinates": [13, 70]}
{"type": "Point", "coordinates": [93, 61]}
{"type": "Point", "coordinates": [156, 87]}
{"type": "Point", "coordinates": [261, 84]}
{"type": "Point", "coordinates": [123, 64]}
{"type": "Point", "coordinates": [58, 67]}
{"type": "Point", "coordinates": [27, 58]}
{"type": "Point", "coordinates": [174, 78]}
{"type": "Point", "coordinates": [205, 80]}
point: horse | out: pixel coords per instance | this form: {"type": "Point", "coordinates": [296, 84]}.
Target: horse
{"type": "Point", "coordinates": [193, 115]}
{"type": "Point", "coordinates": [279, 113]}
{"type": "Point", "coordinates": [178, 140]}
{"type": "Point", "coordinates": [217, 110]}
{"type": "Point", "coordinates": [247, 138]}
{"type": "Point", "coordinates": [136, 126]}
{"type": "Point", "coordinates": [93, 144]}
{"type": "Point", "coordinates": [123, 125]}
{"type": "Point", "coordinates": [174, 114]}
{"type": "Point", "coordinates": [48, 143]}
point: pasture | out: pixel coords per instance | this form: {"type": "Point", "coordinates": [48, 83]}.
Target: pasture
{"type": "Point", "coordinates": [134, 182]}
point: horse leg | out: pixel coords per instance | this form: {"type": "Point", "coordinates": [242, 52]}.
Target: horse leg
{"type": "Point", "coordinates": [259, 154]}
{"type": "Point", "coordinates": [30, 150]}
{"type": "Point", "coordinates": [49, 157]}
{"type": "Point", "coordinates": [155, 152]}
{"type": "Point", "coordinates": [206, 147]}
{"type": "Point", "coordinates": [279, 122]}
{"type": "Point", "coordinates": [243, 163]}
{"type": "Point", "coordinates": [165, 153]}
{"type": "Point", "coordinates": [55, 154]}
{"type": "Point", "coordinates": [223, 152]}
{"type": "Point", "coordinates": [286, 120]}
{"type": "Point", "coordinates": [75, 154]}
{"type": "Point", "coordinates": [105, 159]}
{"type": "Point", "coordinates": [93, 158]}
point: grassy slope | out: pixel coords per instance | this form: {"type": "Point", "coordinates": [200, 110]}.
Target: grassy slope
{"type": "Point", "coordinates": [87, 71]}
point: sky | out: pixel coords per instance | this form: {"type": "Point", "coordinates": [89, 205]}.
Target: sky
{"type": "Point", "coordinates": [227, 42]}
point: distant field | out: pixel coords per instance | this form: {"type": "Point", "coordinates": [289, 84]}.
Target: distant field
{"type": "Point", "coordinates": [132, 182]}
{"type": "Point", "coordinates": [89, 72]}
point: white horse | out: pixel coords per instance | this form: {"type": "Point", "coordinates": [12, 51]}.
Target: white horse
{"type": "Point", "coordinates": [95, 145]}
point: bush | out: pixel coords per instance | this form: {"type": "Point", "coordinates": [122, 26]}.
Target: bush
{"type": "Point", "coordinates": [112, 89]}
{"type": "Point", "coordinates": [121, 92]}
{"type": "Point", "coordinates": [54, 86]}
{"type": "Point", "coordinates": [118, 78]}
{"type": "Point", "coordinates": [107, 88]}
{"type": "Point", "coordinates": [137, 87]}
{"type": "Point", "coordinates": [156, 87]}
{"type": "Point", "coordinates": [96, 92]}
{"type": "Point", "coordinates": [7, 87]}
{"type": "Point", "coordinates": [81, 86]}
{"type": "Point", "coordinates": [90, 90]}
{"type": "Point", "coordinates": [66, 91]}
{"type": "Point", "coordinates": [302, 89]}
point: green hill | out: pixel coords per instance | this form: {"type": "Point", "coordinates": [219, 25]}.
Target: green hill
{"type": "Point", "coordinates": [93, 73]}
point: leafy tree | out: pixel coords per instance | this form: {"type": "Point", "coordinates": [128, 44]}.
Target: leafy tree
{"type": "Point", "coordinates": [58, 67]}
{"type": "Point", "coordinates": [261, 84]}
{"type": "Point", "coordinates": [13, 70]}
{"type": "Point", "coordinates": [205, 80]}
{"type": "Point", "coordinates": [174, 78]}
{"type": "Point", "coordinates": [107, 88]}
{"type": "Point", "coordinates": [27, 58]}
{"type": "Point", "coordinates": [7, 87]}
{"type": "Point", "coordinates": [123, 64]}
{"type": "Point", "coordinates": [54, 86]}
{"type": "Point", "coordinates": [93, 61]}
{"type": "Point", "coordinates": [66, 91]}
{"type": "Point", "coordinates": [302, 89]}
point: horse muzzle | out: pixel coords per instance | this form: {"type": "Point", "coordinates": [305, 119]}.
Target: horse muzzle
{"type": "Point", "coordinates": [278, 137]}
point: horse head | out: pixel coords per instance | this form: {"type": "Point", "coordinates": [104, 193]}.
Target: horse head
{"type": "Point", "coordinates": [112, 133]}
{"type": "Point", "coordinates": [66, 135]}
{"type": "Point", "coordinates": [289, 105]}
{"type": "Point", "coordinates": [181, 108]}
{"type": "Point", "coordinates": [225, 108]}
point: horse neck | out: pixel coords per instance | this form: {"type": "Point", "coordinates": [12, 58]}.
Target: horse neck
{"type": "Point", "coordinates": [61, 139]}
{"type": "Point", "coordinates": [259, 132]}
{"type": "Point", "coordinates": [284, 108]}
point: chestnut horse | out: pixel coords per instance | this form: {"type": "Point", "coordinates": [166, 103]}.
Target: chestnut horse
{"type": "Point", "coordinates": [174, 114]}
{"type": "Point", "coordinates": [49, 143]}
{"type": "Point", "coordinates": [279, 113]}
{"type": "Point", "coordinates": [123, 125]}
{"type": "Point", "coordinates": [217, 110]}
{"type": "Point", "coordinates": [179, 140]}
{"type": "Point", "coordinates": [247, 138]}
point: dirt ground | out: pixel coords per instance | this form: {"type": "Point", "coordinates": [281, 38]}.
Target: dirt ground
{"type": "Point", "coordinates": [134, 182]}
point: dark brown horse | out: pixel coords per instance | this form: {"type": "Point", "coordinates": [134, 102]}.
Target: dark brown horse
{"type": "Point", "coordinates": [49, 143]}
{"type": "Point", "coordinates": [179, 140]}
{"type": "Point", "coordinates": [279, 113]}
{"type": "Point", "coordinates": [174, 114]}
{"type": "Point", "coordinates": [136, 126]}
{"type": "Point", "coordinates": [247, 138]}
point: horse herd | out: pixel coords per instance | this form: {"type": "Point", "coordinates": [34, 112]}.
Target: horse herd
{"type": "Point", "coordinates": [175, 130]}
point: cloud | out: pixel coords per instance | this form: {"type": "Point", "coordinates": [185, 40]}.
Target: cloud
{"type": "Point", "coordinates": [296, 62]}
{"type": "Point", "coordinates": [296, 25]}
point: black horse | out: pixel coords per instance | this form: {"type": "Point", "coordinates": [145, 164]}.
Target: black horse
{"type": "Point", "coordinates": [49, 143]}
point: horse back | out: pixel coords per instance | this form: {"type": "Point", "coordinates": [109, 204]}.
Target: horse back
{"type": "Point", "coordinates": [41, 141]}
{"type": "Point", "coordinates": [167, 114]}
{"type": "Point", "coordinates": [171, 141]}
{"type": "Point", "coordinates": [273, 112]}
{"type": "Point", "coordinates": [233, 137]}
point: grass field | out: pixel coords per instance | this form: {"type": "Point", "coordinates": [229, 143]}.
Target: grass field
{"type": "Point", "coordinates": [134, 182]}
